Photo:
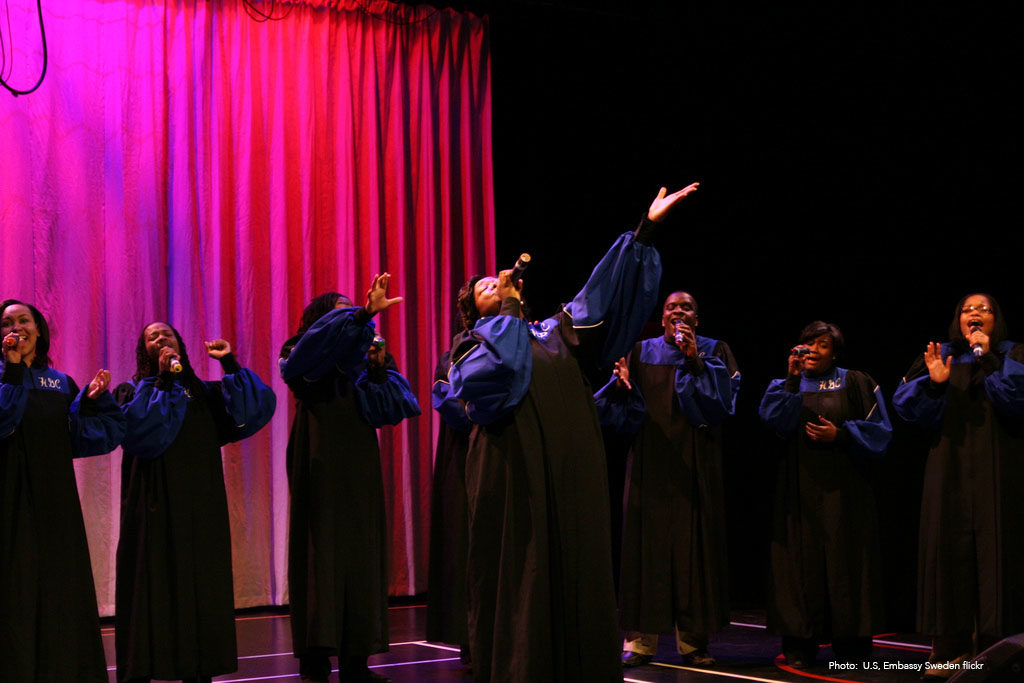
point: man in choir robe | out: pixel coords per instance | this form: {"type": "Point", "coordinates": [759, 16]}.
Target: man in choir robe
{"type": "Point", "coordinates": [673, 393]}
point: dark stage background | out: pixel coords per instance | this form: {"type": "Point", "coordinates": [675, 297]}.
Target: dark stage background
{"type": "Point", "coordinates": [858, 166]}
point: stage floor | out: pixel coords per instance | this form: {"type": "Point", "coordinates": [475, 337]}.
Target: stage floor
{"type": "Point", "coordinates": [744, 652]}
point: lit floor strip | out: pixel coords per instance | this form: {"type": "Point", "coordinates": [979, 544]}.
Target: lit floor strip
{"type": "Point", "coordinates": [711, 672]}
{"type": "Point", "coordinates": [740, 623]}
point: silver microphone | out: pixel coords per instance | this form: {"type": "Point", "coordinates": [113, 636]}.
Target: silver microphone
{"type": "Point", "coordinates": [976, 348]}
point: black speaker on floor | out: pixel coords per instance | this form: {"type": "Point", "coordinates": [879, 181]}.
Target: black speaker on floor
{"type": "Point", "coordinates": [1004, 661]}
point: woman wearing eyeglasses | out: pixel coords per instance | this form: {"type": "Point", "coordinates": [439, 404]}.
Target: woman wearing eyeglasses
{"type": "Point", "coordinates": [970, 393]}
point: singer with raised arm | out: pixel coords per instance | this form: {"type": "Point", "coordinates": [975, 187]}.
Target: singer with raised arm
{"type": "Point", "coordinates": [50, 624]}
{"type": "Point", "coordinates": [825, 556]}
{"type": "Point", "coordinates": [541, 595]}
{"type": "Point", "coordinates": [673, 393]}
{"type": "Point", "coordinates": [346, 385]}
{"type": "Point", "coordinates": [969, 393]}
{"type": "Point", "coordinates": [174, 595]}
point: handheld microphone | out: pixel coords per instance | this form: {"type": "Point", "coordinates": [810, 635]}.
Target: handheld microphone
{"type": "Point", "coordinates": [176, 366]}
{"type": "Point", "coordinates": [976, 348]}
{"type": "Point", "coordinates": [519, 268]}
{"type": "Point", "coordinates": [10, 343]}
{"type": "Point", "coordinates": [801, 350]}
{"type": "Point", "coordinates": [679, 331]}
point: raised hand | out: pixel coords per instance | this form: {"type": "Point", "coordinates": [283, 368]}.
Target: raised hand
{"type": "Point", "coordinates": [663, 203]}
{"type": "Point", "coordinates": [99, 383]}
{"type": "Point", "coordinates": [218, 348]}
{"type": "Point", "coordinates": [621, 373]}
{"type": "Point", "coordinates": [937, 369]}
{"type": "Point", "coordinates": [824, 432]}
{"type": "Point", "coordinates": [377, 296]}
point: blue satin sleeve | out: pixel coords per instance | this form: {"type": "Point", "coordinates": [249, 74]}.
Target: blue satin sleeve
{"type": "Point", "coordinates": [448, 407]}
{"type": "Point", "coordinates": [154, 418]}
{"type": "Point", "coordinates": [1005, 388]}
{"type": "Point", "coordinates": [620, 294]}
{"type": "Point", "coordinates": [621, 409]}
{"type": "Point", "coordinates": [13, 398]}
{"type": "Point", "coordinates": [780, 408]}
{"type": "Point", "coordinates": [708, 397]}
{"type": "Point", "coordinates": [249, 401]}
{"type": "Point", "coordinates": [385, 397]}
{"type": "Point", "coordinates": [97, 424]}
{"type": "Point", "coordinates": [337, 340]}
{"type": "Point", "coordinates": [870, 436]}
{"type": "Point", "coordinates": [915, 403]}
{"type": "Point", "coordinates": [492, 365]}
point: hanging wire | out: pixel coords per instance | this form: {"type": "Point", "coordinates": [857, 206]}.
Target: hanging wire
{"type": "Point", "coordinates": [46, 57]}
{"type": "Point", "coordinates": [3, 49]}
{"type": "Point", "coordinates": [365, 10]}
{"type": "Point", "coordinates": [256, 14]}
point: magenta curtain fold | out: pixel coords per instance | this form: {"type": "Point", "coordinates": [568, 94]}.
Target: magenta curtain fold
{"type": "Point", "coordinates": [183, 162]}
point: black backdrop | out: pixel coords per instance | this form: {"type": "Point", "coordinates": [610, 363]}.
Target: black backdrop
{"type": "Point", "coordinates": [857, 165]}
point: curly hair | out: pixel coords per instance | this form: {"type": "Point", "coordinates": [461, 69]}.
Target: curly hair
{"type": "Point", "coordinates": [42, 357]}
{"type": "Point", "coordinates": [144, 366]}
{"type": "Point", "coordinates": [999, 334]}
{"type": "Point", "coordinates": [320, 306]}
{"type": "Point", "coordinates": [465, 301]}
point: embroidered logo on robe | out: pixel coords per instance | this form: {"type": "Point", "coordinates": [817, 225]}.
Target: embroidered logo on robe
{"type": "Point", "coordinates": [51, 383]}
{"type": "Point", "coordinates": [830, 384]}
{"type": "Point", "coordinates": [540, 330]}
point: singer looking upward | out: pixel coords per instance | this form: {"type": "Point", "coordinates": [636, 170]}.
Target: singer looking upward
{"type": "Point", "coordinates": [969, 393]}
{"type": "Point", "coordinates": [174, 596]}
{"type": "Point", "coordinates": [673, 393]}
{"type": "Point", "coordinates": [541, 595]}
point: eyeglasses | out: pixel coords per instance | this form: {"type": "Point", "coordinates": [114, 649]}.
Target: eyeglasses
{"type": "Point", "coordinates": [980, 308]}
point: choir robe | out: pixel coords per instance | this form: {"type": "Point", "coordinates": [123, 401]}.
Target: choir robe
{"type": "Point", "coordinates": [174, 593]}
{"type": "Point", "coordinates": [825, 553]}
{"type": "Point", "coordinates": [49, 623]}
{"type": "Point", "coordinates": [675, 570]}
{"type": "Point", "coordinates": [542, 598]}
{"type": "Point", "coordinates": [449, 521]}
{"type": "Point", "coordinates": [972, 518]}
{"type": "Point", "coordinates": [337, 561]}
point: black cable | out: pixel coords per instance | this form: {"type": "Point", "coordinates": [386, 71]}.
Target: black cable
{"type": "Point", "coordinates": [3, 51]}
{"type": "Point", "coordinates": [251, 9]}
{"type": "Point", "coordinates": [367, 12]}
{"type": "Point", "coordinates": [46, 57]}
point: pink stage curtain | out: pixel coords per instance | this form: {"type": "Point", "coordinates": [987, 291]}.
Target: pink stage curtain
{"type": "Point", "coordinates": [183, 162]}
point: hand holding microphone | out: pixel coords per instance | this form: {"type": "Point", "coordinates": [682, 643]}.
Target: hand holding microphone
{"type": "Point", "coordinates": [10, 347]}
{"type": "Point", "coordinates": [796, 359]}
{"type": "Point", "coordinates": [978, 339]}
{"type": "Point", "coordinates": [685, 338]}
{"type": "Point", "coordinates": [169, 360]}
{"type": "Point", "coordinates": [510, 281]}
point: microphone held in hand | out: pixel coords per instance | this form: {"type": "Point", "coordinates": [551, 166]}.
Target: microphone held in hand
{"type": "Point", "coordinates": [176, 366]}
{"type": "Point", "coordinates": [976, 349]}
{"type": "Point", "coordinates": [519, 268]}
{"type": "Point", "coordinates": [678, 324]}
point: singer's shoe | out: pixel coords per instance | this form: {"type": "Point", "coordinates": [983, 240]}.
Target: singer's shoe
{"type": "Point", "coordinates": [631, 659]}
{"type": "Point", "coordinates": [699, 658]}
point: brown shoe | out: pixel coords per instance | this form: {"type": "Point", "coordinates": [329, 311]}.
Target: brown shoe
{"type": "Point", "coordinates": [699, 658]}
